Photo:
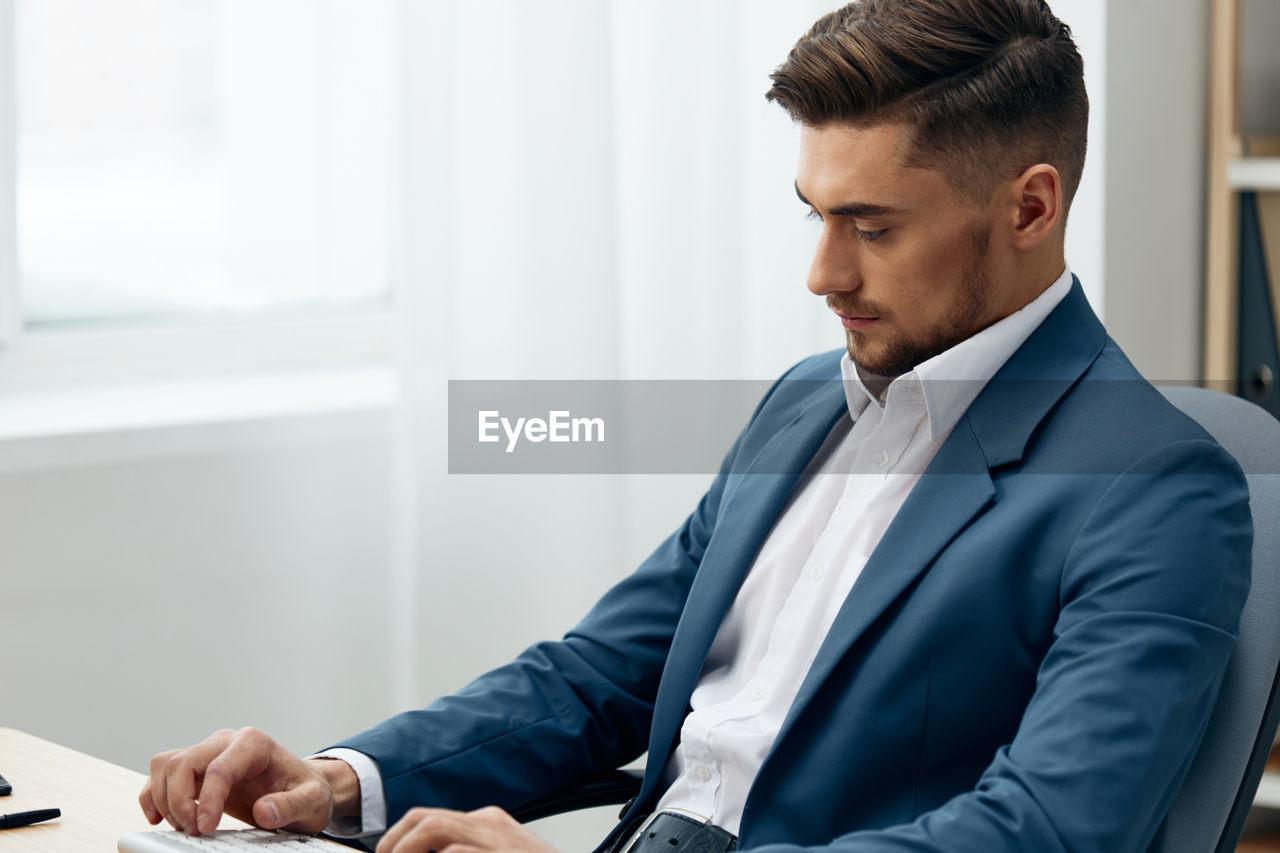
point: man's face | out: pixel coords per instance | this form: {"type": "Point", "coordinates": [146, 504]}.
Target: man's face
{"type": "Point", "coordinates": [903, 262]}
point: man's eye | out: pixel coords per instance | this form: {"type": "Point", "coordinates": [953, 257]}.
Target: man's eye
{"type": "Point", "coordinates": [813, 214]}
{"type": "Point", "coordinates": [868, 236]}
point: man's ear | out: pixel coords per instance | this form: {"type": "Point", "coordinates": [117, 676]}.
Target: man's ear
{"type": "Point", "coordinates": [1037, 211]}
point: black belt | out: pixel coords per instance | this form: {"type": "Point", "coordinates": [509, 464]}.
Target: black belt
{"type": "Point", "coordinates": [669, 832]}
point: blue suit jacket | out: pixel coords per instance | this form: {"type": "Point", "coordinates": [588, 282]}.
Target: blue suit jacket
{"type": "Point", "coordinates": [1027, 661]}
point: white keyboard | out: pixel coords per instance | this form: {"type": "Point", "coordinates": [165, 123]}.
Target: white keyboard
{"type": "Point", "coordinates": [226, 841]}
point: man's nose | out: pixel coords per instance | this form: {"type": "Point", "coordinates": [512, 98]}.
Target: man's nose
{"type": "Point", "coordinates": [835, 265]}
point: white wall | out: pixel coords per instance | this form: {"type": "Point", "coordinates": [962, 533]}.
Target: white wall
{"type": "Point", "coordinates": [1136, 233]}
{"type": "Point", "coordinates": [1155, 138]}
{"type": "Point", "coordinates": [158, 585]}
{"type": "Point", "coordinates": [1086, 230]}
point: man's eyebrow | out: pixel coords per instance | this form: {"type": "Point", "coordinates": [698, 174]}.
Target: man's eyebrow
{"type": "Point", "coordinates": [855, 209]}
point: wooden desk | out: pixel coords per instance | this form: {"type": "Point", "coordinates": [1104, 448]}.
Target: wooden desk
{"type": "Point", "coordinates": [99, 800]}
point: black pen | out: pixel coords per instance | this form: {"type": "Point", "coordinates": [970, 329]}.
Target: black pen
{"type": "Point", "coordinates": [10, 821]}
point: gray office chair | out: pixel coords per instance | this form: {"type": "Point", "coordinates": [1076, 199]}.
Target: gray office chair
{"type": "Point", "coordinates": [1209, 811]}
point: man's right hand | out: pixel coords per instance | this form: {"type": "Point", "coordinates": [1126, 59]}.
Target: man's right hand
{"type": "Point", "coordinates": [251, 777]}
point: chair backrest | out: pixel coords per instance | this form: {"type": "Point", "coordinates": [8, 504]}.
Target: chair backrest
{"type": "Point", "coordinates": [1209, 811]}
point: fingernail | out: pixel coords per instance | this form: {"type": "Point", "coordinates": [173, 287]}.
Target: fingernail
{"type": "Point", "coordinates": [275, 814]}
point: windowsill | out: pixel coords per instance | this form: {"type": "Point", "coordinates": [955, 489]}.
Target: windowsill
{"type": "Point", "coordinates": [70, 426]}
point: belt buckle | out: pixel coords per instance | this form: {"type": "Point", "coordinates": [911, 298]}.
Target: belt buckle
{"type": "Point", "coordinates": [635, 838]}
{"type": "Point", "coordinates": [708, 843]}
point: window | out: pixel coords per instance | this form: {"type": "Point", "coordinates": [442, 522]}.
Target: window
{"type": "Point", "coordinates": [196, 163]}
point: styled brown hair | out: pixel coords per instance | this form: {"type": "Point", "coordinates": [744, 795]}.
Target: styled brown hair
{"type": "Point", "coordinates": [990, 87]}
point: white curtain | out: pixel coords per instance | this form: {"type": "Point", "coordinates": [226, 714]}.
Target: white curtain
{"type": "Point", "coordinates": [587, 190]}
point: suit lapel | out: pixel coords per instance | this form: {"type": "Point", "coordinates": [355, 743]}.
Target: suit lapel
{"type": "Point", "coordinates": [949, 502]}
{"type": "Point", "coordinates": [753, 499]}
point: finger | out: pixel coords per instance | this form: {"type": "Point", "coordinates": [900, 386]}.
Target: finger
{"type": "Point", "coordinates": [498, 830]}
{"type": "Point", "coordinates": [399, 830]}
{"type": "Point", "coordinates": [494, 816]}
{"type": "Point", "coordinates": [159, 772]}
{"type": "Point", "coordinates": [180, 787]}
{"type": "Point", "coordinates": [304, 808]}
{"type": "Point", "coordinates": [214, 790]}
{"type": "Point", "coordinates": [444, 830]}
{"type": "Point", "coordinates": [148, 805]}
{"type": "Point", "coordinates": [241, 755]}
{"type": "Point", "coordinates": [184, 772]}
{"type": "Point", "coordinates": [394, 837]}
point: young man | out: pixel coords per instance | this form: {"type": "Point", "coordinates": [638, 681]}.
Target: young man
{"type": "Point", "coordinates": [968, 585]}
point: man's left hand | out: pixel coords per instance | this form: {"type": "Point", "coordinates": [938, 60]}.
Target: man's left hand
{"type": "Point", "coordinates": [487, 830]}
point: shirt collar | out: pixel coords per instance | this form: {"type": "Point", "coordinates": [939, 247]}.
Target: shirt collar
{"type": "Point", "coordinates": [951, 380]}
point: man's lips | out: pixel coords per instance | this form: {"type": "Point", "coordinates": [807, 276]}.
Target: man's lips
{"type": "Point", "coordinates": [856, 322]}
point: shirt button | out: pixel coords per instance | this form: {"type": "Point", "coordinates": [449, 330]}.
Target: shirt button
{"type": "Point", "coordinates": [758, 691]}
{"type": "Point", "coordinates": [702, 773]}
{"type": "Point", "coordinates": [881, 459]}
{"type": "Point", "coordinates": [815, 572]}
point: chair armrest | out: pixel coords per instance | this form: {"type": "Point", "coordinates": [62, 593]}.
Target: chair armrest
{"type": "Point", "coordinates": [616, 786]}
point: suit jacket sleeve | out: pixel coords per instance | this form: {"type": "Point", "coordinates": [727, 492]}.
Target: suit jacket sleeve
{"type": "Point", "coordinates": [1150, 597]}
{"type": "Point", "coordinates": [562, 710]}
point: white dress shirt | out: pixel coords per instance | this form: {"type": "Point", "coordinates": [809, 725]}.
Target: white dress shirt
{"type": "Point", "coordinates": [805, 569]}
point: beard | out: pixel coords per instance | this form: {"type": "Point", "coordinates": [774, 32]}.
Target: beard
{"type": "Point", "coordinates": [901, 354]}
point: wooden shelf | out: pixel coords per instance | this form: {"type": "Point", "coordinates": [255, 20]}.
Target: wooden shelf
{"type": "Point", "coordinates": [1226, 146]}
{"type": "Point", "coordinates": [1254, 173]}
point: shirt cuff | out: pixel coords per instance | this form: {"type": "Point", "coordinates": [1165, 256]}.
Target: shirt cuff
{"type": "Point", "coordinates": [372, 819]}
